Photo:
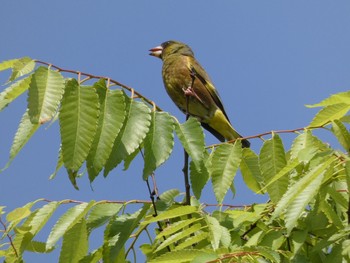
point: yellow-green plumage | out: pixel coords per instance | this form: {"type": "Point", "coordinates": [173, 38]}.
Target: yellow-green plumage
{"type": "Point", "coordinates": [181, 72]}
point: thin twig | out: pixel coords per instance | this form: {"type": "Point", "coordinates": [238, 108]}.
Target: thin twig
{"type": "Point", "coordinates": [99, 77]}
{"type": "Point", "coordinates": [268, 133]}
{"type": "Point", "coordinates": [9, 237]}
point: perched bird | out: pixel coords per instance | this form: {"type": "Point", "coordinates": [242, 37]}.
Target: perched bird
{"type": "Point", "coordinates": [191, 89]}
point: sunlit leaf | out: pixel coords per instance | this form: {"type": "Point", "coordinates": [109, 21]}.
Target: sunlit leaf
{"type": "Point", "coordinates": [45, 93]}
{"type": "Point", "coordinates": [132, 134]}
{"type": "Point", "coordinates": [78, 123]}
{"type": "Point", "coordinates": [342, 97]}
{"type": "Point", "coordinates": [25, 131]}
{"type": "Point", "coordinates": [272, 159]}
{"type": "Point", "coordinates": [75, 243]}
{"type": "Point", "coordinates": [342, 134]}
{"type": "Point", "coordinates": [330, 113]}
{"type": "Point", "coordinates": [21, 67]}
{"type": "Point", "coordinates": [224, 164]}
{"type": "Point", "coordinates": [159, 142]}
{"type": "Point", "coordinates": [14, 91]}
{"type": "Point", "coordinates": [251, 171]}
{"type": "Point", "coordinates": [111, 117]}
{"type": "Point", "coordinates": [191, 137]}
{"type": "Point", "coordinates": [67, 221]}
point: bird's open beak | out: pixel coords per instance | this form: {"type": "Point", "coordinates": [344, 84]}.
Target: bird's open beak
{"type": "Point", "coordinates": [156, 51]}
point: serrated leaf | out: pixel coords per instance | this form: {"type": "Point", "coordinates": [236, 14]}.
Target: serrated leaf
{"type": "Point", "coordinates": [25, 131]}
{"type": "Point", "coordinates": [14, 91]}
{"type": "Point", "coordinates": [37, 247]}
{"type": "Point", "coordinates": [42, 215]}
{"type": "Point", "coordinates": [170, 240]}
{"type": "Point", "coordinates": [329, 113]}
{"type": "Point", "coordinates": [130, 137]}
{"type": "Point", "coordinates": [342, 134]}
{"type": "Point", "coordinates": [45, 93]}
{"type": "Point", "coordinates": [199, 178]}
{"type": "Point", "coordinates": [224, 164]}
{"type": "Point", "coordinates": [284, 172]}
{"type": "Point", "coordinates": [59, 164]}
{"type": "Point", "coordinates": [171, 213]}
{"type": "Point", "coordinates": [191, 241]}
{"type": "Point", "coordinates": [8, 64]}
{"type": "Point", "coordinates": [175, 227]}
{"type": "Point", "coordinates": [75, 243]}
{"type": "Point", "coordinates": [342, 97]}
{"type": "Point", "coordinates": [118, 233]}
{"type": "Point", "coordinates": [306, 145]}
{"type": "Point", "coordinates": [21, 67]}
{"type": "Point", "coordinates": [272, 159]}
{"type": "Point", "coordinates": [191, 137]}
{"type": "Point", "coordinates": [101, 213]}
{"type": "Point", "coordinates": [251, 171]}
{"type": "Point", "coordinates": [297, 196]}
{"type": "Point", "coordinates": [159, 142]}
{"type": "Point", "coordinates": [67, 221]}
{"type": "Point", "coordinates": [182, 256]}
{"type": "Point", "coordinates": [78, 123]}
{"type": "Point", "coordinates": [18, 214]}
{"type": "Point", "coordinates": [111, 117]}
{"type": "Point", "coordinates": [214, 230]}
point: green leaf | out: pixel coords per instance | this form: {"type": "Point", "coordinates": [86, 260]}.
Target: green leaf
{"type": "Point", "coordinates": [182, 256]}
{"type": "Point", "coordinates": [175, 227]}
{"type": "Point", "coordinates": [75, 243]}
{"type": "Point", "coordinates": [342, 97]}
{"type": "Point", "coordinates": [306, 145]}
{"type": "Point", "coordinates": [21, 67]}
{"type": "Point", "coordinates": [342, 134]}
{"type": "Point", "coordinates": [171, 240]}
{"type": "Point", "coordinates": [45, 93]}
{"type": "Point", "coordinates": [298, 195]}
{"type": "Point", "coordinates": [251, 171]}
{"type": "Point", "coordinates": [18, 214]}
{"type": "Point", "coordinates": [25, 131]}
{"type": "Point", "coordinates": [101, 213]}
{"type": "Point", "coordinates": [78, 123]}
{"type": "Point", "coordinates": [171, 213]}
{"type": "Point", "coordinates": [7, 64]}
{"type": "Point", "coordinates": [41, 216]}
{"type": "Point", "coordinates": [94, 257]}
{"type": "Point", "coordinates": [111, 117]}
{"type": "Point", "coordinates": [192, 241]}
{"type": "Point", "coordinates": [214, 230]}
{"type": "Point", "coordinates": [199, 178]}
{"type": "Point", "coordinates": [284, 172]}
{"type": "Point", "coordinates": [14, 91]}
{"type": "Point", "coordinates": [59, 164]}
{"type": "Point", "coordinates": [67, 221]}
{"type": "Point", "coordinates": [224, 164]}
{"type": "Point", "coordinates": [159, 142]}
{"type": "Point", "coordinates": [130, 137]}
{"type": "Point", "coordinates": [191, 137]}
{"type": "Point", "coordinates": [272, 159]}
{"type": "Point", "coordinates": [330, 113]}
{"type": "Point", "coordinates": [118, 233]}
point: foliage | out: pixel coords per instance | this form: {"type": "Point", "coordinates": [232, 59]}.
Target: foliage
{"type": "Point", "coordinates": [306, 219]}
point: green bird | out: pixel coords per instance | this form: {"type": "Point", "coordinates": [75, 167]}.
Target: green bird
{"type": "Point", "coordinates": [191, 89]}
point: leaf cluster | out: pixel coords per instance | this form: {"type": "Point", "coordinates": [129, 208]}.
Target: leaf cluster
{"type": "Point", "coordinates": [305, 220]}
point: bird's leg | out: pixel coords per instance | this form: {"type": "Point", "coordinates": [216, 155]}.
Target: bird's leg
{"type": "Point", "coordinates": [189, 91]}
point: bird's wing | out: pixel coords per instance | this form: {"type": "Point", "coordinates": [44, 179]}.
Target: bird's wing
{"type": "Point", "coordinates": [200, 73]}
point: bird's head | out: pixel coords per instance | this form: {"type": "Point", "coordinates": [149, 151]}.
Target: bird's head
{"type": "Point", "coordinates": [171, 47]}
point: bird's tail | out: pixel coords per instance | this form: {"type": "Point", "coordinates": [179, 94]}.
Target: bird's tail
{"type": "Point", "coordinates": [220, 124]}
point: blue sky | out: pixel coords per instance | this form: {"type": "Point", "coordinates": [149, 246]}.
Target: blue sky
{"type": "Point", "coordinates": [267, 59]}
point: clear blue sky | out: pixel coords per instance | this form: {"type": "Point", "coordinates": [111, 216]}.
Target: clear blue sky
{"type": "Point", "coordinates": [267, 59]}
